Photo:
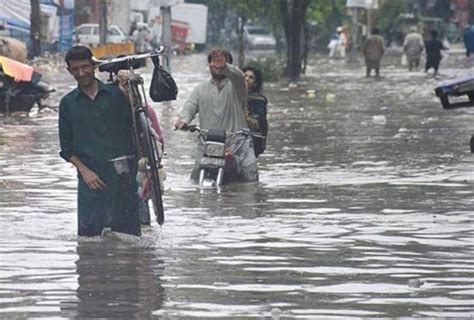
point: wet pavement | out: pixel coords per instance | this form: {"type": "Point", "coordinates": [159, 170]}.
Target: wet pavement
{"type": "Point", "coordinates": [363, 210]}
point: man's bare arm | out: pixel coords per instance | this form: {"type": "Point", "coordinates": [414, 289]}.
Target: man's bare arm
{"type": "Point", "coordinates": [91, 179]}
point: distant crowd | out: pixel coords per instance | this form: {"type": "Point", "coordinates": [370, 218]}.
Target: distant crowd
{"type": "Point", "coordinates": [414, 45]}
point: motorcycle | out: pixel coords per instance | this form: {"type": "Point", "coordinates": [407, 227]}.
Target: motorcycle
{"type": "Point", "coordinates": [21, 96]}
{"type": "Point", "coordinates": [213, 161]}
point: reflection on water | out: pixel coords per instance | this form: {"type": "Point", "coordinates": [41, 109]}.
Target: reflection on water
{"type": "Point", "coordinates": [364, 210]}
{"type": "Point", "coordinates": [117, 282]}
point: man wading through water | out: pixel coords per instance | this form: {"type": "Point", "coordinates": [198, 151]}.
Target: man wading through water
{"type": "Point", "coordinates": [95, 126]}
{"type": "Point", "coordinates": [220, 102]}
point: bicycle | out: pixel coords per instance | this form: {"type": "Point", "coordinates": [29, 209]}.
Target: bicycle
{"type": "Point", "coordinates": [145, 143]}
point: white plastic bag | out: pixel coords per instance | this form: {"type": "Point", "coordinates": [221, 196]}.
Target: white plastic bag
{"type": "Point", "coordinates": [446, 44]}
{"type": "Point", "coordinates": [404, 61]}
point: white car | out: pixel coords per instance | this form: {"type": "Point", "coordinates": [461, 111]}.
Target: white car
{"type": "Point", "coordinates": [89, 34]}
{"type": "Point", "coordinates": [259, 38]}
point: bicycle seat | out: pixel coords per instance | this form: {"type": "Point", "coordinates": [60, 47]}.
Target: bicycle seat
{"type": "Point", "coordinates": [119, 63]}
{"type": "Point", "coordinates": [124, 62]}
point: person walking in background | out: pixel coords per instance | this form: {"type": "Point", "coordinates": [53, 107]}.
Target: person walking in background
{"type": "Point", "coordinates": [133, 27]}
{"type": "Point", "coordinates": [141, 40]}
{"type": "Point", "coordinates": [342, 43]}
{"type": "Point", "coordinates": [433, 52]}
{"type": "Point", "coordinates": [468, 37]}
{"type": "Point", "coordinates": [413, 46]}
{"type": "Point", "coordinates": [333, 43]}
{"type": "Point", "coordinates": [373, 49]}
{"type": "Point", "coordinates": [256, 113]}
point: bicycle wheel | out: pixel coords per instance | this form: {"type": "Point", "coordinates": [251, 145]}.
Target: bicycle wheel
{"type": "Point", "coordinates": [150, 150]}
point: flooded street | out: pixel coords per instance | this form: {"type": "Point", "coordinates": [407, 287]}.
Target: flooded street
{"type": "Point", "coordinates": [364, 209]}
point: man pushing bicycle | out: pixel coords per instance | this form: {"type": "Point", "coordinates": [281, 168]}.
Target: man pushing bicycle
{"type": "Point", "coordinates": [95, 126]}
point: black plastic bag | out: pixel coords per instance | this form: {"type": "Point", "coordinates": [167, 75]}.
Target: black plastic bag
{"type": "Point", "coordinates": [163, 87]}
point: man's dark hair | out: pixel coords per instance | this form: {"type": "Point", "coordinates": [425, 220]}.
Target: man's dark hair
{"type": "Point", "coordinates": [227, 55]}
{"type": "Point", "coordinates": [434, 34]}
{"type": "Point", "coordinates": [78, 53]}
{"type": "Point", "coordinates": [258, 77]}
{"type": "Point", "coordinates": [375, 31]}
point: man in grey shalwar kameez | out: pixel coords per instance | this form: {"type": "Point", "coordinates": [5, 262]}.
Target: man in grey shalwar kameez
{"type": "Point", "coordinates": [413, 46]}
{"type": "Point", "coordinates": [220, 103]}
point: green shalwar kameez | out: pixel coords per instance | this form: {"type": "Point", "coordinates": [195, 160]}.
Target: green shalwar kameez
{"type": "Point", "coordinates": [97, 131]}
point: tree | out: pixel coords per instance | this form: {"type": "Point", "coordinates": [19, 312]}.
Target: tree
{"type": "Point", "coordinates": [241, 12]}
{"type": "Point", "coordinates": [103, 22]}
{"type": "Point", "coordinates": [471, 12]}
{"type": "Point", "coordinates": [35, 28]}
{"type": "Point", "coordinates": [327, 15]}
{"type": "Point", "coordinates": [246, 9]}
{"type": "Point", "coordinates": [389, 13]}
{"type": "Point", "coordinates": [293, 15]}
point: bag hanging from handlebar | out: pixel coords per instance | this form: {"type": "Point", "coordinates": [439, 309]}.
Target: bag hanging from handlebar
{"type": "Point", "coordinates": [163, 87]}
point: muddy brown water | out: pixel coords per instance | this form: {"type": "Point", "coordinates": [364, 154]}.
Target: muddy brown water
{"type": "Point", "coordinates": [363, 210]}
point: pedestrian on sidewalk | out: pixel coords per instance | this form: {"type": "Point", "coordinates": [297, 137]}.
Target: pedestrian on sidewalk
{"type": "Point", "coordinates": [374, 49]}
{"type": "Point", "coordinates": [413, 46]}
{"type": "Point", "coordinates": [433, 52]}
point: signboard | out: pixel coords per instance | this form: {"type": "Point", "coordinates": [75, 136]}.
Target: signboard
{"type": "Point", "coordinates": [140, 5]}
{"type": "Point", "coordinates": [66, 25]}
{"type": "Point", "coordinates": [113, 49]}
{"type": "Point", "coordinates": [366, 4]}
{"type": "Point", "coordinates": [164, 3]}
{"type": "Point", "coordinates": [68, 4]}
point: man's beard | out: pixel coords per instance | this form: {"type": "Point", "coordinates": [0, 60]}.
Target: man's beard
{"type": "Point", "coordinates": [217, 76]}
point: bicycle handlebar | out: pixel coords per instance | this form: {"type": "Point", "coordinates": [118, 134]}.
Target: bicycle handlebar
{"type": "Point", "coordinates": [130, 61]}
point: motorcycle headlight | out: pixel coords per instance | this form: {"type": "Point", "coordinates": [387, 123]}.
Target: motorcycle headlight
{"type": "Point", "coordinates": [215, 149]}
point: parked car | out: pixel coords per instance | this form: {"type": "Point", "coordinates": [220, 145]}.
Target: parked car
{"type": "Point", "coordinates": [255, 38]}
{"type": "Point", "coordinates": [259, 38]}
{"type": "Point", "coordinates": [89, 34]}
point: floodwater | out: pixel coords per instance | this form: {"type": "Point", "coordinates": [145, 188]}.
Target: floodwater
{"type": "Point", "coordinates": [364, 209]}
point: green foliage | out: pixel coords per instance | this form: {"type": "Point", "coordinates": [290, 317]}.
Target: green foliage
{"type": "Point", "coordinates": [387, 15]}
{"type": "Point", "coordinates": [328, 12]}
{"type": "Point", "coordinates": [272, 68]}
{"type": "Point", "coordinates": [328, 15]}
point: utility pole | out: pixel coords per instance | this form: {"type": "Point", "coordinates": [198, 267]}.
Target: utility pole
{"type": "Point", "coordinates": [370, 20]}
{"type": "Point", "coordinates": [35, 28]}
{"type": "Point", "coordinates": [355, 33]}
{"type": "Point", "coordinates": [371, 7]}
{"type": "Point", "coordinates": [166, 35]}
{"type": "Point", "coordinates": [471, 12]}
{"type": "Point", "coordinates": [103, 22]}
